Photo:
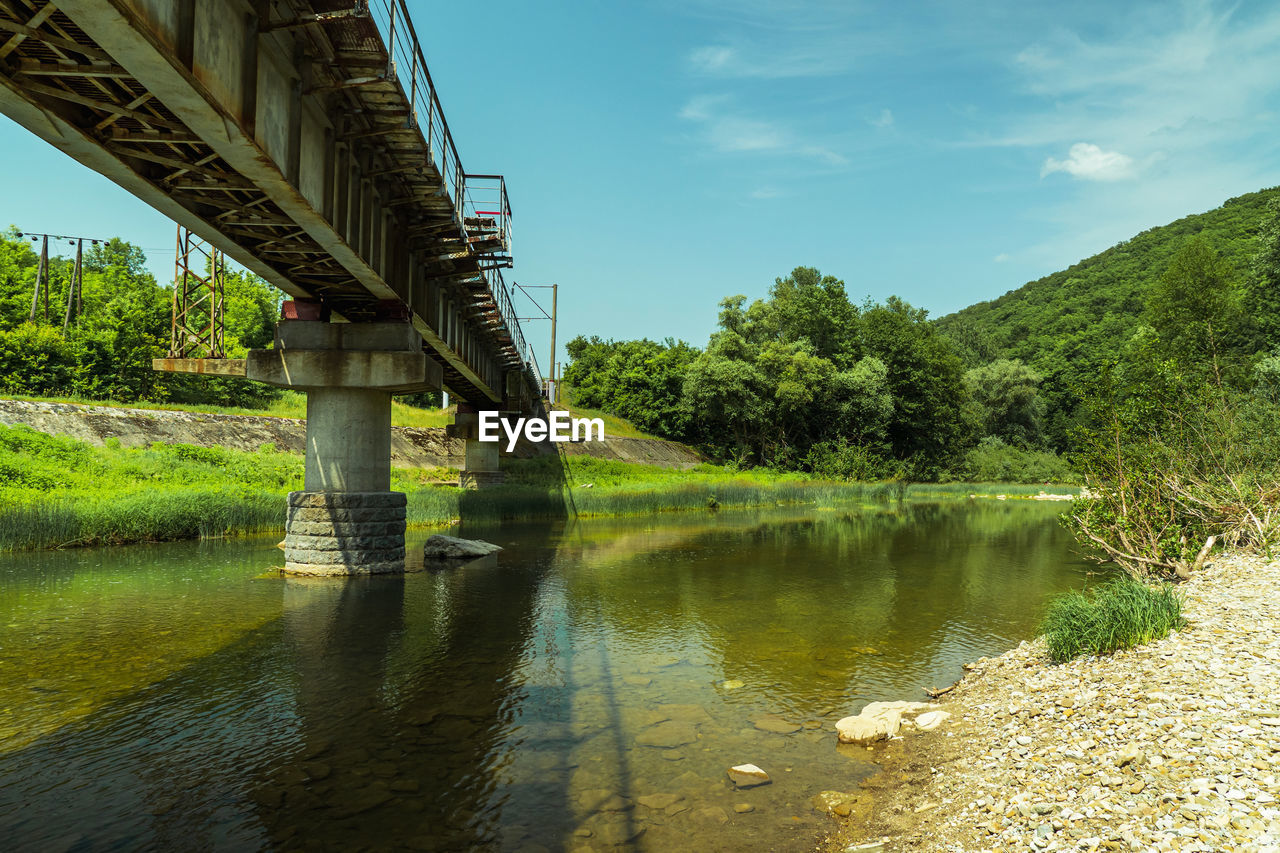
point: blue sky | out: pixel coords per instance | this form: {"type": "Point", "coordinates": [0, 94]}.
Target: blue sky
{"type": "Point", "coordinates": [662, 155]}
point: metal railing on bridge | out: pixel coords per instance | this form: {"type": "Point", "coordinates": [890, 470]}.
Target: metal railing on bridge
{"type": "Point", "coordinates": [485, 201]}
{"type": "Point", "coordinates": [480, 203]}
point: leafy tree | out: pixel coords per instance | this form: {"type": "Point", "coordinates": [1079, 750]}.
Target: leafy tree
{"type": "Point", "coordinates": [1262, 297]}
{"type": "Point", "coordinates": [925, 378]}
{"type": "Point", "coordinates": [641, 381]}
{"type": "Point", "coordinates": [1005, 399]}
{"type": "Point", "coordinates": [1194, 311]}
{"type": "Point", "coordinates": [808, 306]}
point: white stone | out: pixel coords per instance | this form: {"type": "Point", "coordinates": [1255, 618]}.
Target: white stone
{"type": "Point", "coordinates": [864, 730]}
{"type": "Point", "coordinates": [930, 720]}
{"type": "Point", "coordinates": [453, 548]}
{"type": "Point", "coordinates": [748, 776]}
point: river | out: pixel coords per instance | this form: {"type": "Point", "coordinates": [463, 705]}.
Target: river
{"type": "Point", "coordinates": [585, 688]}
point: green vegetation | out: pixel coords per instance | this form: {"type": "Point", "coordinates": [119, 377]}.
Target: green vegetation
{"type": "Point", "coordinates": [801, 381]}
{"type": "Point", "coordinates": [58, 492]}
{"type": "Point", "coordinates": [106, 353]}
{"type": "Point", "coordinates": [287, 404]}
{"type": "Point", "coordinates": [1070, 325]}
{"type": "Point", "coordinates": [1120, 614]}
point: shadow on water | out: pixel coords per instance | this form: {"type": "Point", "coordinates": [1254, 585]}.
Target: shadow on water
{"type": "Point", "coordinates": [363, 710]}
{"type": "Point", "coordinates": [587, 685]}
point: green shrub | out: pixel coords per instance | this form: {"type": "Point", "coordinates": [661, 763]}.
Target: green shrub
{"type": "Point", "coordinates": [994, 461]}
{"type": "Point", "coordinates": [1120, 614]}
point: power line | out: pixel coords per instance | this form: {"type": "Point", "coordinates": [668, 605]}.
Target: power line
{"type": "Point", "coordinates": [75, 292]}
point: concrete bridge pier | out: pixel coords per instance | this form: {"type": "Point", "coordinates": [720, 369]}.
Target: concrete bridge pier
{"type": "Point", "coordinates": [480, 465]}
{"type": "Point", "coordinates": [346, 521]}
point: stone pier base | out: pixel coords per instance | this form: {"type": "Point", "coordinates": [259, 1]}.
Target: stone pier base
{"type": "Point", "coordinates": [344, 533]}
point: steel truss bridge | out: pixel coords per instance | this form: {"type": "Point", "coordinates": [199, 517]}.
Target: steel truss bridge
{"type": "Point", "coordinates": [303, 139]}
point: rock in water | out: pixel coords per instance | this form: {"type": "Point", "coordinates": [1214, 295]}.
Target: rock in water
{"type": "Point", "coordinates": [453, 548]}
{"type": "Point", "coordinates": [748, 776]}
{"type": "Point", "coordinates": [878, 720]}
{"type": "Point", "coordinates": [863, 730]}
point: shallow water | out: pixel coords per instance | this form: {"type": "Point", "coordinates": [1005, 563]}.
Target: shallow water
{"type": "Point", "coordinates": [175, 697]}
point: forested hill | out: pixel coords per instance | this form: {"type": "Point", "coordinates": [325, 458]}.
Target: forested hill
{"type": "Point", "coordinates": [1094, 305]}
{"type": "Point", "coordinates": [1066, 324]}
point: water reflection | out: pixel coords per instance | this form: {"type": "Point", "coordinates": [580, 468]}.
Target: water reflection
{"type": "Point", "coordinates": [584, 689]}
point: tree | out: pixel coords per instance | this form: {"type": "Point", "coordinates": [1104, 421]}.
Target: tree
{"type": "Point", "coordinates": [1263, 294]}
{"type": "Point", "coordinates": [1005, 397]}
{"type": "Point", "coordinates": [1194, 310]}
{"type": "Point", "coordinates": [925, 379]}
{"type": "Point", "coordinates": [641, 381]}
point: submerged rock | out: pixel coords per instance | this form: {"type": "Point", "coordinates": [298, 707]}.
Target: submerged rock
{"type": "Point", "coordinates": [658, 802]}
{"type": "Point", "coordinates": [444, 547]}
{"type": "Point", "coordinates": [776, 724]}
{"type": "Point", "coordinates": [667, 735]}
{"type": "Point", "coordinates": [834, 803]}
{"type": "Point", "coordinates": [748, 776]}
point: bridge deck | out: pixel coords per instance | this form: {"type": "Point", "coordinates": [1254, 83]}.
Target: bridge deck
{"type": "Point", "coordinates": [309, 144]}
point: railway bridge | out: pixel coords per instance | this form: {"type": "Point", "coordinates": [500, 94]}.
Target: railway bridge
{"type": "Point", "coordinates": [305, 140]}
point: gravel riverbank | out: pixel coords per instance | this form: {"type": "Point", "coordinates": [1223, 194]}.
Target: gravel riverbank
{"type": "Point", "coordinates": [1171, 746]}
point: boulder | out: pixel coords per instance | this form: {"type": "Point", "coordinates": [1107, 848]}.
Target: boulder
{"type": "Point", "coordinates": [442, 547]}
{"type": "Point", "coordinates": [748, 776]}
{"type": "Point", "coordinates": [865, 730]}
{"type": "Point", "coordinates": [930, 720]}
{"type": "Point", "coordinates": [878, 721]}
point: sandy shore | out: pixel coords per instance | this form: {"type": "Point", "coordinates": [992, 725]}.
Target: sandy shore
{"type": "Point", "coordinates": [1172, 746]}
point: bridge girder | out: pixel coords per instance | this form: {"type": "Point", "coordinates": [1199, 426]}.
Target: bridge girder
{"type": "Point", "coordinates": [285, 135]}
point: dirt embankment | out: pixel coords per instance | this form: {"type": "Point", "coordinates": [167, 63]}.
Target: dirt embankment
{"type": "Point", "coordinates": [411, 447]}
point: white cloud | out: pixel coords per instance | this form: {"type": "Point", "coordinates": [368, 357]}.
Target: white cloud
{"type": "Point", "coordinates": [730, 132]}
{"type": "Point", "coordinates": [1001, 258]}
{"type": "Point", "coordinates": [711, 59]}
{"type": "Point", "coordinates": [1089, 162]}
{"type": "Point", "coordinates": [1184, 82]}
{"type": "Point", "coordinates": [885, 119]}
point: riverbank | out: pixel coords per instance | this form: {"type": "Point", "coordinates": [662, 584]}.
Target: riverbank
{"type": "Point", "coordinates": [418, 436]}
{"type": "Point", "coordinates": [57, 491]}
{"type": "Point", "coordinates": [1170, 746]}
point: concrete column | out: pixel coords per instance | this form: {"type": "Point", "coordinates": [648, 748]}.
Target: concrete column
{"type": "Point", "coordinates": [480, 468]}
{"type": "Point", "coordinates": [480, 464]}
{"type": "Point", "coordinates": [346, 521]}
{"type": "Point", "coordinates": [348, 440]}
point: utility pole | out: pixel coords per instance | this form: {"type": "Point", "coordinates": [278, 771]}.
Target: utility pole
{"type": "Point", "coordinates": [75, 292]}
{"type": "Point", "coordinates": [555, 386]}
{"type": "Point", "coordinates": [42, 279]}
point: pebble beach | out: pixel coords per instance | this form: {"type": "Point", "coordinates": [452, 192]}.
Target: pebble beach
{"type": "Point", "coordinates": [1174, 745]}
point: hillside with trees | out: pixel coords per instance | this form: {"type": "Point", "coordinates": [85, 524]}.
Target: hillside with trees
{"type": "Point", "coordinates": [1003, 390]}
{"type": "Point", "coordinates": [1067, 326]}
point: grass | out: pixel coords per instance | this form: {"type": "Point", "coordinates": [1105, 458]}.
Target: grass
{"type": "Point", "coordinates": [57, 491]}
{"type": "Point", "coordinates": [1120, 614]}
{"type": "Point", "coordinates": [614, 426]}
{"type": "Point", "coordinates": [289, 404]}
